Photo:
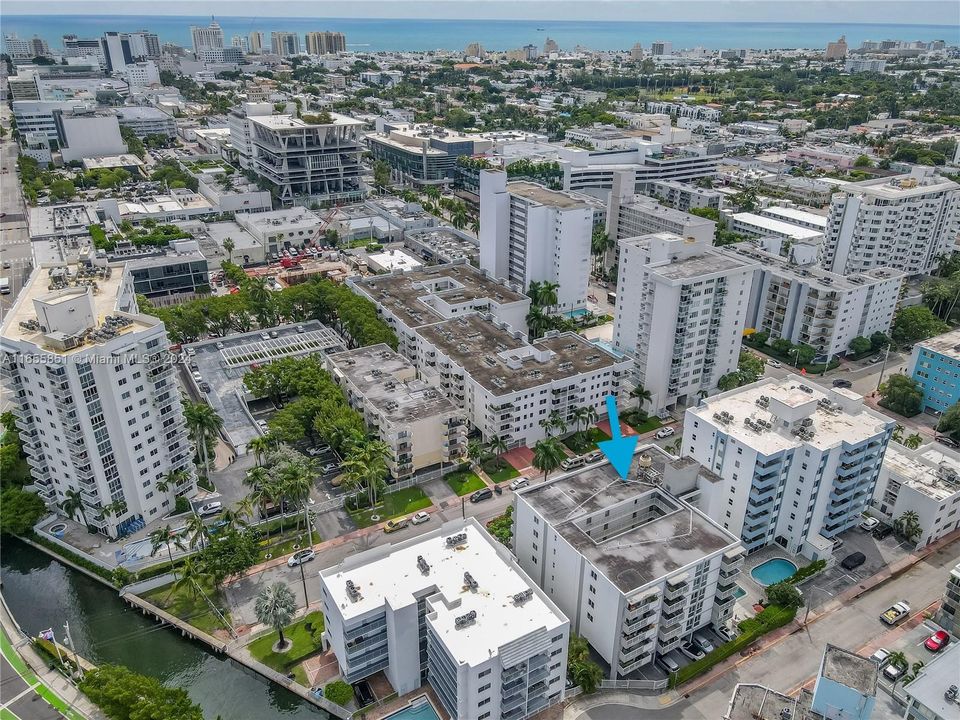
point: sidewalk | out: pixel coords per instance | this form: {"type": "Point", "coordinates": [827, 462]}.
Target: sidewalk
{"type": "Point", "coordinates": [62, 698]}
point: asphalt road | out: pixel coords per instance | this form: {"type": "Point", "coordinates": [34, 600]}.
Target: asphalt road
{"type": "Point", "coordinates": [795, 660]}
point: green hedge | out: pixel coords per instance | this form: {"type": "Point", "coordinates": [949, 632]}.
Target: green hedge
{"type": "Point", "coordinates": [770, 618]}
{"type": "Point", "coordinates": [338, 692]}
{"type": "Point", "coordinates": [73, 557]}
{"type": "Point", "coordinates": [807, 572]}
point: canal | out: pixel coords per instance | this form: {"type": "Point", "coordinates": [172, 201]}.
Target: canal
{"type": "Point", "coordinates": [43, 593]}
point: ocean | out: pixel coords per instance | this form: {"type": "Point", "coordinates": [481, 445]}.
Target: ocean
{"type": "Point", "coordinates": [405, 34]}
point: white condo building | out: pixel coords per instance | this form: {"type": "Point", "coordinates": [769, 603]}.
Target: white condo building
{"type": "Point", "coordinates": [681, 311]}
{"type": "Point", "coordinates": [635, 569]}
{"type": "Point", "coordinates": [207, 38]}
{"type": "Point", "coordinates": [529, 233]}
{"type": "Point", "coordinates": [455, 324]}
{"type": "Point", "coordinates": [95, 396]}
{"type": "Point", "coordinates": [796, 464]}
{"type": "Point", "coordinates": [807, 304]}
{"type": "Point", "coordinates": [450, 608]}
{"type": "Point", "coordinates": [630, 215]}
{"type": "Point", "coordinates": [905, 223]}
{"type": "Point", "coordinates": [925, 481]}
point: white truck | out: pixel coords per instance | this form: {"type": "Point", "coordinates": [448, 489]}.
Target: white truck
{"type": "Point", "coordinates": [4, 286]}
{"type": "Point", "coordinates": [895, 613]}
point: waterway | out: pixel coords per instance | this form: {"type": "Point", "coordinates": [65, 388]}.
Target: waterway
{"type": "Point", "coordinates": [43, 593]}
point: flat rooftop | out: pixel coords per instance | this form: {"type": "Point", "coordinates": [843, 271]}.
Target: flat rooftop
{"type": "Point", "coordinates": [788, 214]}
{"type": "Point", "coordinates": [845, 420]}
{"type": "Point", "coordinates": [851, 670]}
{"type": "Point", "coordinates": [935, 677]}
{"type": "Point", "coordinates": [947, 344]}
{"type": "Point", "coordinates": [44, 282]}
{"type": "Point", "coordinates": [709, 263]}
{"type": "Point", "coordinates": [776, 227]}
{"type": "Point", "coordinates": [504, 364]}
{"type": "Point", "coordinates": [901, 186]}
{"type": "Point", "coordinates": [650, 206]}
{"type": "Point", "coordinates": [70, 219]}
{"type": "Point", "coordinates": [174, 202]}
{"type": "Point", "coordinates": [277, 220]}
{"type": "Point", "coordinates": [444, 243]}
{"type": "Point", "coordinates": [390, 575]}
{"type": "Point", "coordinates": [757, 702]}
{"type": "Point", "coordinates": [544, 196]}
{"type": "Point", "coordinates": [675, 535]}
{"type": "Point", "coordinates": [388, 382]}
{"type": "Point", "coordinates": [288, 122]}
{"type": "Point", "coordinates": [406, 295]}
{"type": "Point", "coordinates": [811, 274]}
{"type": "Point", "coordinates": [933, 469]}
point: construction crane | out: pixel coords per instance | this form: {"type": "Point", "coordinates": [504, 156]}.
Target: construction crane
{"type": "Point", "coordinates": [322, 227]}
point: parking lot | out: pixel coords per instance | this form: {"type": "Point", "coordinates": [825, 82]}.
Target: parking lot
{"type": "Point", "coordinates": [221, 363]}
{"type": "Point", "coordinates": [910, 643]}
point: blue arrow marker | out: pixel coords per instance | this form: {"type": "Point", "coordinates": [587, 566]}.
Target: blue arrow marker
{"type": "Point", "coordinates": [619, 448]}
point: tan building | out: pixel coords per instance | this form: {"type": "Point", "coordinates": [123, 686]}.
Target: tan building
{"type": "Point", "coordinates": [326, 43]}
{"type": "Point", "coordinates": [836, 50]}
{"type": "Point", "coordinates": [421, 426]}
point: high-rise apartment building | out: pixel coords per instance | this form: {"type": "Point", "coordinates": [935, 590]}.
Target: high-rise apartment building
{"type": "Point", "coordinates": [529, 233]}
{"type": "Point", "coordinates": [95, 396]}
{"type": "Point", "coordinates": [661, 47]}
{"type": "Point", "coordinates": [681, 311]}
{"type": "Point", "coordinates": [904, 222]}
{"type": "Point", "coordinates": [242, 42]}
{"type": "Point", "coordinates": [326, 43]}
{"type": "Point", "coordinates": [836, 50]}
{"type": "Point", "coordinates": [796, 464]}
{"type": "Point", "coordinates": [635, 569]}
{"type": "Point", "coordinates": [450, 608]}
{"type": "Point", "coordinates": [74, 46]}
{"type": "Point", "coordinates": [25, 48]}
{"type": "Point", "coordinates": [256, 42]}
{"type": "Point", "coordinates": [207, 38]}
{"type": "Point", "coordinates": [284, 44]}
{"type": "Point", "coordinates": [630, 215]}
{"type": "Point", "coordinates": [550, 46]}
{"type": "Point", "coordinates": [122, 49]}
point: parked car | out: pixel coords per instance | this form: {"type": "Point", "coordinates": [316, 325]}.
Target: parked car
{"type": "Point", "coordinates": [190, 351]}
{"type": "Point", "coordinates": [396, 524]}
{"type": "Point", "coordinates": [668, 665]}
{"type": "Point", "coordinates": [853, 560]}
{"type": "Point", "coordinates": [274, 334]}
{"type": "Point", "coordinates": [520, 482]}
{"type": "Point", "coordinates": [895, 613]}
{"type": "Point", "coordinates": [301, 329]}
{"type": "Point", "coordinates": [692, 650]}
{"type": "Point", "coordinates": [882, 532]}
{"type": "Point", "coordinates": [869, 523]}
{"type": "Point", "coordinates": [875, 359]}
{"type": "Point", "coordinates": [595, 456]}
{"type": "Point", "coordinates": [664, 433]}
{"type": "Point", "coordinates": [420, 518]}
{"type": "Point", "coordinates": [938, 641]}
{"type": "Point", "coordinates": [205, 387]}
{"type": "Point", "coordinates": [483, 494]}
{"type": "Point", "coordinates": [893, 672]}
{"type": "Point", "coordinates": [572, 463]}
{"type": "Point", "coordinates": [840, 383]}
{"type": "Point", "coordinates": [300, 557]}
{"type": "Point", "coordinates": [264, 336]}
{"type": "Point", "coordinates": [318, 451]}
{"type": "Point", "coordinates": [881, 656]}
{"type": "Point", "coordinates": [197, 376]}
{"type": "Point", "coordinates": [947, 440]}
{"type": "Point", "coordinates": [774, 363]}
{"type": "Point", "coordinates": [210, 508]}
{"type": "Point", "coordinates": [704, 642]}
{"type": "Point", "coordinates": [262, 424]}
{"type": "Point", "coordinates": [329, 468]}
{"type": "Point", "coordinates": [724, 633]}
{"type": "Point", "coordinates": [220, 346]}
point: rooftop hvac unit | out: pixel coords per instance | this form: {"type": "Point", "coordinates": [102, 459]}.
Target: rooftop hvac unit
{"type": "Point", "coordinates": [457, 539]}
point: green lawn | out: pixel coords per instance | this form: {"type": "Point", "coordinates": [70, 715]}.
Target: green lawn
{"type": "Point", "coordinates": [463, 482]}
{"type": "Point", "coordinates": [285, 546]}
{"type": "Point", "coordinates": [391, 505]}
{"type": "Point", "coordinates": [194, 609]}
{"type": "Point", "coordinates": [651, 423]}
{"type": "Point", "coordinates": [305, 643]}
{"type": "Point", "coordinates": [10, 653]}
{"type": "Point", "coordinates": [500, 473]}
{"type": "Point", "coordinates": [581, 443]}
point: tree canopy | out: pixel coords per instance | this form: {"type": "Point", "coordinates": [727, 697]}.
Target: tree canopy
{"type": "Point", "coordinates": [125, 695]}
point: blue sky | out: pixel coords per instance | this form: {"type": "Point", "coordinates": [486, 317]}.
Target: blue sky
{"type": "Point", "coordinates": [940, 12]}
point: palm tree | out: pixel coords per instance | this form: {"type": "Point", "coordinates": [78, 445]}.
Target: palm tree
{"type": "Point", "coordinates": [477, 452]}
{"type": "Point", "coordinates": [908, 525]}
{"type": "Point", "coordinates": [897, 435]}
{"type": "Point", "coordinates": [899, 660]}
{"type": "Point", "coordinates": [295, 477]}
{"type": "Point", "coordinates": [547, 456]}
{"type": "Point", "coordinates": [497, 446]}
{"type": "Point", "coordinates": [229, 246]}
{"type": "Point", "coordinates": [204, 424]}
{"type": "Point", "coordinates": [196, 530]}
{"type": "Point", "coordinates": [245, 509]}
{"type": "Point", "coordinates": [475, 226]}
{"type": "Point", "coordinates": [172, 479]}
{"type": "Point", "coordinates": [913, 441]}
{"type": "Point", "coordinates": [642, 395]}
{"type": "Point", "coordinates": [537, 322]}
{"type": "Point", "coordinates": [548, 294]}
{"type": "Point", "coordinates": [459, 217]}
{"type": "Point", "coordinates": [73, 504]}
{"type": "Point", "coordinates": [259, 445]}
{"type": "Point", "coordinates": [233, 519]}
{"type": "Point", "coordinates": [192, 577]}
{"type": "Point", "coordinates": [165, 536]}
{"type": "Point", "coordinates": [256, 477]}
{"type": "Point", "coordinates": [600, 243]}
{"type": "Point", "coordinates": [275, 606]}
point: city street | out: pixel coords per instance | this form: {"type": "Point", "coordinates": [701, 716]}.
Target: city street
{"type": "Point", "coordinates": [14, 238]}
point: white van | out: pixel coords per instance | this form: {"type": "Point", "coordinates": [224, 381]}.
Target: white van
{"type": "Point", "coordinates": [4, 286]}
{"type": "Point", "coordinates": [572, 463]}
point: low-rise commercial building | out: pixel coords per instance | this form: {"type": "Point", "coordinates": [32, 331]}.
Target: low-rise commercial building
{"type": "Point", "coordinates": [924, 481]}
{"type": "Point", "coordinates": [278, 230]}
{"type": "Point", "coordinates": [443, 245]}
{"type": "Point", "coordinates": [85, 133]}
{"type": "Point", "coordinates": [809, 305]}
{"type": "Point", "coordinates": [935, 366]}
{"type": "Point", "coordinates": [451, 608]}
{"type": "Point", "coordinates": [421, 426]}
{"type": "Point", "coordinates": [795, 463]}
{"type": "Point", "coordinates": [612, 555]}
{"type": "Point", "coordinates": [145, 121]}
{"type": "Point", "coordinates": [630, 215]}
{"type": "Point", "coordinates": [756, 226]}
{"type": "Point", "coordinates": [684, 196]}
{"type": "Point", "coordinates": [421, 153]}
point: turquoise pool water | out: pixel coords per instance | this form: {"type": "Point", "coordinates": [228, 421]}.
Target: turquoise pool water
{"type": "Point", "coordinates": [419, 709]}
{"type": "Point", "coordinates": [739, 592]}
{"type": "Point", "coordinates": [573, 315]}
{"type": "Point", "coordinates": [773, 571]}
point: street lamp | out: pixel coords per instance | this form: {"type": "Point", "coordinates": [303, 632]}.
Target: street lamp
{"type": "Point", "coordinates": [883, 367]}
{"type": "Point", "coordinates": [807, 601]}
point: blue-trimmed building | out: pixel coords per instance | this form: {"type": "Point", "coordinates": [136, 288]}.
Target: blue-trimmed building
{"type": "Point", "coordinates": [935, 365]}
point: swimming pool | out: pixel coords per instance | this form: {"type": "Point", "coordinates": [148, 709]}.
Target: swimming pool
{"type": "Point", "coordinates": [418, 709]}
{"type": "Point", "coordinates": [574, 314]}
{"type": "Point", "coordinates": [739, 592]}
{"type": "Point", "coordinates": [773, 571]}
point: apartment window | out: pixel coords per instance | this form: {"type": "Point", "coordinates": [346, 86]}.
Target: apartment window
{"type": "Point", "coordinates": [483, 702]}
{"type": "Point", "coordinates": [593, 574]}
{"type": "Point", "coordinates": [589, 617]}
{"type": "Point", "coordinates": [534, 558]}
{"type": "Point", "coordinates": [555, 638]}
{"type": "Point", "coordinates": [484, 673]}
{"type": "Point", "coordinates": [484, 716]}
{"type": "Point", "coordinates": [483, 688]}
{"type": "Point", "coordinates": [591, 603]}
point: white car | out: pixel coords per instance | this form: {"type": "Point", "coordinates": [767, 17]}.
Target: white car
{"type": "Point", "coordinates": [665, 433]}
{"type": "Point", "coordinates": [881, 656]}
{"type": "Point", "coordinates": [210, 508]}
{"type": "Point", "coordinates": [869, 523]}
{"type": "Point", "coordinates": [300, 557]}
{"type": "Point", "coordinates": [197, 376]}
{"type": "Point", "coordinates": [264, 336]}
{"type": "Point", "coordinates": [705, 644]}
{"type": "Point", "coordinates": [420, 517]}
{"type": "Point", "coordinates": [774, 363]}
{"type": "Point", "coordinates": [520, 482]}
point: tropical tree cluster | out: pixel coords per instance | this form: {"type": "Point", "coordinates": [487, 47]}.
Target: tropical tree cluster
{"type": "Point", "coordinates": [915, 323]}
{"type": "Point", "coordinates": [949, 423]}
{"type": "Point", "coordinates": [284, 481]}
{"type": "Point", "coordinates": [907, 526]}
{"type": "Point", "coordinates": [255, 305]}
{"type": "Point", "coordinates": [941, 294]}
{"type": "Point", "coordinates": [125, 695]}
{"type": "Point", "coordinates": [582, 670]}
{"type": "Point", "coordinates": [749, 369]}
{"type": "Point", "coordinates": [902, 395]}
